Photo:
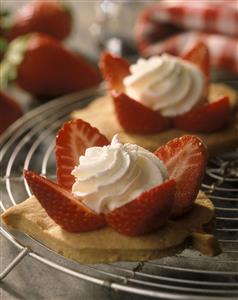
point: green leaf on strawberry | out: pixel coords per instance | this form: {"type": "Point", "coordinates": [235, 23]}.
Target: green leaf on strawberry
{"type": "Point", "coordinates": [12, 59]}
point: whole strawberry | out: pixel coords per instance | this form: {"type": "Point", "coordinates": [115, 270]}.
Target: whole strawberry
{"type": "Point", "coordinates": [48, 17]}
{"type": "Point", "coordinates": [39, 64]}
{"type": "Point", "coordinates": [10, 111]}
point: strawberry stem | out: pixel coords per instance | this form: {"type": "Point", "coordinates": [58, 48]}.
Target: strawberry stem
{"type": "Point", "coordinates": [66, 8]}
{"type": "Point", "coordinates": [3, 45]}
{"type": "Point", "coordinates": [12, 59]}
{"type": "Point", "coordinates": [5, 21]}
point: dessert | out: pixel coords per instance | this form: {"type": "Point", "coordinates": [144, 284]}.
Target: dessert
{"type": "Point", "coordinates": [162, 98]}
{"type": "Point", "coordinates": [114, 201]}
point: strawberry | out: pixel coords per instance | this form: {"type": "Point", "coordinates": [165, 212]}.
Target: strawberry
{"type": "Point", "coordinates": [137, 118]}
{"type": "Point", "coordinates": [45, 68]}
{"type": "Point", "coordinates": [146, 213]}
{"type": "Point", "coordinates": [61, 206]}
{"type": "Point", "coordinates": [114, 69]}
{"type": "Point", "coordinates": [206, 118]}
{"type": "Point", "coordinates": [10, 111]}
{"type": "Point", "coordinates": [71, 142]}
{"type": "Point", "coordinates": [48, 17]}
{"type": "Point", "coordinates": [185, 159]}
{"type": "Point", "coordinates": [199, 55]}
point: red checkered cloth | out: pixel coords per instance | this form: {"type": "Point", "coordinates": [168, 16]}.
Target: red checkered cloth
{"type": "Point", "coordinates": [173, 26]}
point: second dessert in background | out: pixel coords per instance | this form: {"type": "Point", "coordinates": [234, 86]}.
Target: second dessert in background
{"type": "Point", "coordinates": [162, 98]}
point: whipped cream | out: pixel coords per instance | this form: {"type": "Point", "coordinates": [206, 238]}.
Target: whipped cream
{"type": "Point", "coordinates": [166, 84]}
{"type": "Point", "coordinates": [110, 176]}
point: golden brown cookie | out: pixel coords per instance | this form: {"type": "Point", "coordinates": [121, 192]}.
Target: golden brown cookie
{"type": "Point", "coordinates": [106, 245]}
{"type": "Point", "coordinates": [217, 91]}
{"type": "Point", "coordinates": [100, 113]}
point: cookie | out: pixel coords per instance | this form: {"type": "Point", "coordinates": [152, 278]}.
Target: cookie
{"type": "Point", "coordinates": [107, 245]}
{"type": "Point", "coordinates": [100, 113]}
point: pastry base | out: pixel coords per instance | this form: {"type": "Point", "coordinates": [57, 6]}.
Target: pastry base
{"type": "Point", "coordinates": [106, 245]}
{"type": "Point", "coordinates": [100, 114]}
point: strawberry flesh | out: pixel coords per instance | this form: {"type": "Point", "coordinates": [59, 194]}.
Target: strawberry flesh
{"type": "Point", "coordinates": [199, 55]}
{"type": "Point", "coordinates": [185, 159]}
{"type": "Point", "coordinates": [146, 213]}
{"type": "Point", "coordinates": [137, 118]}
{"type": "Point", "coordinates": [61, 206]}
{"type": "Point", "coordinates": [114, 69]}
{"type": "Point", "coordinates": [206, 118]}
{"type": "Point", "coordinates": [71, 142]}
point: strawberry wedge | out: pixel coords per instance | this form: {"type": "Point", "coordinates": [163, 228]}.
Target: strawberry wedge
{"type": "Point", "coordinates": [185, 159]}
{"type": "Point", "coordinates": [206, 118]}
{"type": "Point", "coordinates": [114, 69]}
{"type": "Point", "coordinates": [137, 118]}
{"type": "Point", "coordinates": [146, 213]}
{"type": "Point", "coordinates": [199, 55]}
{"type": "Point", "coordinates": [71, 142]}
{"type": "Point", "coordinates": [61, 206]}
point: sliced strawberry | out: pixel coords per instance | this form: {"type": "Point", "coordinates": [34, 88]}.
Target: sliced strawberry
{"type": "Point", "coordinates": [185, 159]}
{"type": "Point", "coordinates": [146, 213]}
{"type": "Point", "coordinates": [61, 206]}
{"type": "Point", "coordinates": [114, 69]}
{"type": "Point", "coordinates": [206, 118]}
{"type": "Point", "coordinates": [136, 118]}
{"type": "Point", "coordinates": [71, 142]}
{"type": "Point", "coordinates": [199, 55]}
{"type": "Point", "coordinates": [10, 111]}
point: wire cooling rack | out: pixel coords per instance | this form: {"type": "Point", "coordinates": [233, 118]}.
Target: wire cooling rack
{"type": "Point", "coordinates": [29, 143]}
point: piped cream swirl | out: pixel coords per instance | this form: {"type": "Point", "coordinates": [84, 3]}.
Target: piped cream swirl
{"type": "Point", "coordinates": [110, 176]}
{"type": "Point", "coordinates": [166, 84]}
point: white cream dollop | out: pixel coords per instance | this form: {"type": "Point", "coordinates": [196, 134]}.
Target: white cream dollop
{"type": "Point", "coordinates": [110, 176]}
{"type": "Point", "coordinates": [165, 83]}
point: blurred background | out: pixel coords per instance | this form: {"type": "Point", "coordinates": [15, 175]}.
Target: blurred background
{"type": "Point", "coordinates": [95, 20]}
{"type": "Point", "coordinates": [94, 26]}
{"type": "Point", "coordinates": [127, 28]}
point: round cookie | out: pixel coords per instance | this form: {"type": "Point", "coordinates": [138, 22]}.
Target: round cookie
{"type": "Point", "coordinates": [107, 245]}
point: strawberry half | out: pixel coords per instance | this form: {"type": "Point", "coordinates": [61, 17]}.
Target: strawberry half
{"type": "Point", "coordinates": [185, 159]}
{"type": "Point", "coordinates": [114, 69]}
{"type": "Point", "coordinates": [146, 213]}
{"type": "Point", "coordinates": [199, 55]}
{"type": "Point", "coordinates": [61, 206]}
{"type": "Point", "coordinates": [48, 17]}
{"type": "Point", "coordinates": [45, 68]}
{"type": "Point", "coordinates": [71, 141]}
{"type": "Point", "coordinates": [10, 111]}
{"type": "Point", "coordinates": [137, 118]}
{"type": "Point", "coordinates": [206, 118]}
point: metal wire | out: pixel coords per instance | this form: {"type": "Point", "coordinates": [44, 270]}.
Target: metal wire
{"type": "Point", "coordinates": [30, 143]}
